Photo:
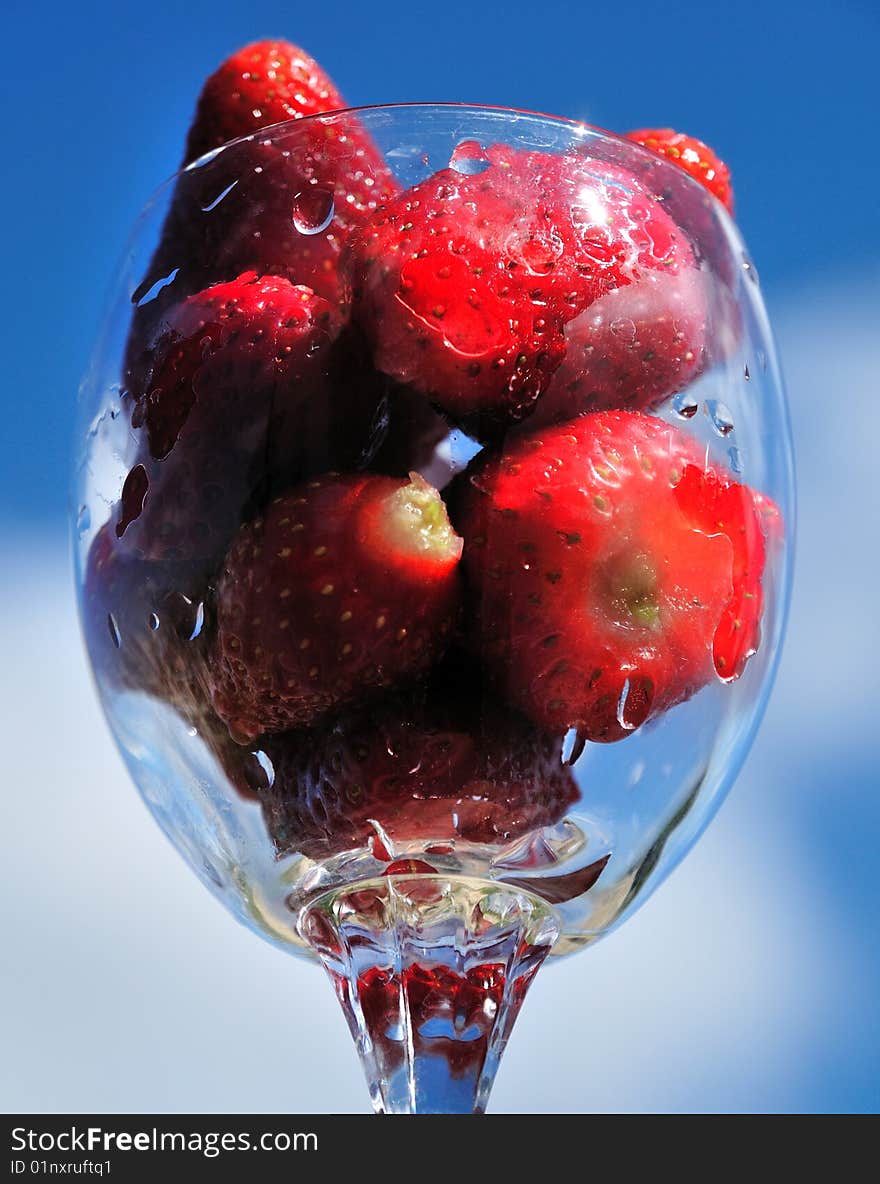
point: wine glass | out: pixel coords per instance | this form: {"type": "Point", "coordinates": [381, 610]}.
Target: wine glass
{"type": "Point", "coordinates": [585, 575]}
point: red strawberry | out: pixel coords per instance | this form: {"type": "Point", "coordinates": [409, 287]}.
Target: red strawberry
{"type": "Point", "coordinates": [693, 156]}
{"type": "Point", "coordinates": [344, 585]}
{"type": "Point", "coordinates": [281, 203]}
{"type": "Point", "coordinates": [242, 393]}
{"type": "Point", "coordinates": [264, 83]}
{"type": "Point", "coordinates": [144, 622]}
{"type": "Point", "coordinates": [417, 770]}
{"type": "Point", "coordinates": [695, 209]}
{"type": "Point", "coordinates": [465, 283]}
{"type": "Point", "coordinates": [614, 572]}
{"type": "Point", "coordinates": [715, 506]}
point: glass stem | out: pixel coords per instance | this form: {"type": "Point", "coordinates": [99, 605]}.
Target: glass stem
{"type": "Point", "coordinates": [431, 972]}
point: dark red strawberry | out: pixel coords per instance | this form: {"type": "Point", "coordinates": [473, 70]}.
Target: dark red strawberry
{"type": "Point", "coordinates": [465, 283]}
{"type": "Point", "coordinates": [633, 347]}
{"type": "Point", "coordinates": [145, 622]}
{"type": "Point", "coordinates": [281, 203]}
{"type": "Point", "coordinates": [613, 572]}
{"type": "Point", "coordinates": [692, 155]}
{"type": "Point", "coordinates": [421, 770]}
{"type": "Point", "coordinates": [244, 392]}
{"type": "Point", "coordinates": [344, 585]}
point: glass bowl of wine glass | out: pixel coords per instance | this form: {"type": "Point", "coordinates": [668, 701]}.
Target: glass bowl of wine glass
{"type": "Point", "coordinates": [433, 520]}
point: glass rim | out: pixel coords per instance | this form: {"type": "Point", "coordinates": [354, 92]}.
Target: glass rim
{"type": "Point", "coordinates": [579, 125]}
{"type": "Point", "coordinates": [576, 127]}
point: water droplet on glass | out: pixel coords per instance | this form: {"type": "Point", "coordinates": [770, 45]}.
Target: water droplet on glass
{"type": "Point", "coordinates": [573, 745]}
{"type": "Point", "coordinates": [625, 328]}
{"type": "Point", "coordinates": [469, 159]}
{"type": "Point", "coordinates": [115, 635]}
{"type": "Point", "coordinates": [83, 519]}
{"type": "Point", "coordinates": [154, 621]}
{"type": "Point", "coordinates": [267, 767]}
{"type": "Point", "coordinates": [762, 361]}
{"type": "Point", "coordinates": [141, 295]}
{"type": "Point", "coordinates": [685, 405]}
{"type": "Point", "coordinates": [313, 210]}
{"type": "Point", "coordinates": [750, 269]}
{"type": "Point", "coordinates": [634, 704]}
{"type": "Point", "coordinates": [746, 375]}
{"type": "Point", "coordinates": [721, 417]}
{"type": "Point", "coordinates": [621, 707]}
{"type": "Point", "coordinates": [537, 248]}
{"type": "Point", "coordinates": [735, 457]}
{"type": "Point", "coordinates": [216, 202]}
{"type": "Point", "coordinates": [192, 732]}
{"type": "Point", "coordinates": [199, 621]}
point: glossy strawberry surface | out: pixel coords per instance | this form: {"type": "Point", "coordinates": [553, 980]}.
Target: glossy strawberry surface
{"type": "Point", "coordinates": [477, 289]}
{"type": "Point", "coordinates": [612, 572]}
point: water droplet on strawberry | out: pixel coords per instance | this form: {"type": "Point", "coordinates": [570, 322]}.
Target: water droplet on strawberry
{"type": "Point", "coordinates": [313, 210]}
{"type": "Point", "coordinates": [734, 456]}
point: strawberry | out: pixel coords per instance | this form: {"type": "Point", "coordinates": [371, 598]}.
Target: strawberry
{"type": "Point", "coordinates": [242, 393]}
{"type": "Point", "coordinates": [692, 155]}
{"type": "Point", "coordinates": [144, 621]}
{"type": "Point", "coordinates": [633, 347]}
{"type": "Point", "coordinates": [264, 83]}
{"type": "Point", "coordinates": [465, 283]}
{"type": "Point", "coordinates": [416, 769]}
{"type": "Point", "coordinates": [715, 506]}
{"type": "Point", "coordinates": [344, 585]}
{"type": "Point", "coordinates": [695, 209]}
{"type": "Point", "coordinates": [281, 203]}
{"type": "Point", "coordinates": [614, 572]}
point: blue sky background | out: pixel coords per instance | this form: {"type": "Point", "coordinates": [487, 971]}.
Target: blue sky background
{"type": "Point", "coordinates": [97, 100]}
{"type": "Point", "coordinates": [762, 952]}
